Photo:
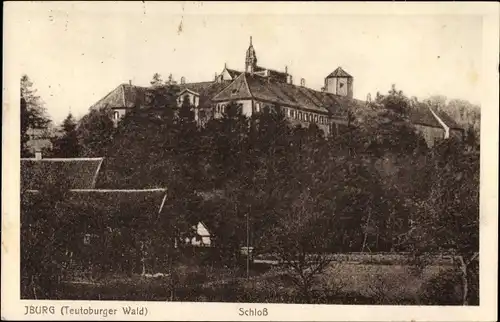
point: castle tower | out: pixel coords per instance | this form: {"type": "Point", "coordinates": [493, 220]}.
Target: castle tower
{"type": "Point", "coordinates": [250, 59]}
{"type": "Point", "coordinates": [339, 83]}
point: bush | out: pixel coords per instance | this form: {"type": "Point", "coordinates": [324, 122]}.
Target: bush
{"type": "Point", "coordinates": [442, 289]}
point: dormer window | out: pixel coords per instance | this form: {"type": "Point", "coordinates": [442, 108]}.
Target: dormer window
{"type": "Point", "coordinates": [234, 91]}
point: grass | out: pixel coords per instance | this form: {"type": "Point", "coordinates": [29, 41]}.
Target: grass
{"type": "Point", "coordinates": [341, 283]}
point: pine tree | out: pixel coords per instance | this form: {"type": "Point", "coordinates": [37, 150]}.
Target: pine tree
{"type": "Point", "coordinates": [157, 80]}
{"type": "Point", "coordinates": [68, 146]}
{"type": "Point", "coordinates": [33, 113]}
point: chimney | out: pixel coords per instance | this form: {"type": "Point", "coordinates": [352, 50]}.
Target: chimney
{"type": "Point", "coordinates": [38, 155]}
{"type": "Point", "coordinates": [302, 82]}
{"type": "Point", "coordinates": [183, 80]}
{"type": "Point", "coordinates": [130, 82]}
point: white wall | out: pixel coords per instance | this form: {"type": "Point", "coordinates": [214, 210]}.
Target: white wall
{"type": "Point", "coordinates": [193, 99]}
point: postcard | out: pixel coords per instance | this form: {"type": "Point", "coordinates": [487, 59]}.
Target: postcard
{"type": "Point", "coordinates": [237, 161]}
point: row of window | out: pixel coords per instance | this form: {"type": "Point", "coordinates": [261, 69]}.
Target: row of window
{"type": "Point", "coordinates": [298, 115]}
{"type": "Point", "coordinates": [221, 108]}
{"type": "Point", "coordinates": [306, 116]}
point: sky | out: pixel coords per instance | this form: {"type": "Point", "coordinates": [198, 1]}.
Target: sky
{"type": "Point", "coordinates": [75, 53]}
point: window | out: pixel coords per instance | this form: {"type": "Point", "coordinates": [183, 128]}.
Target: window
{"type": "Point", "coordinates": [86, 239]}
{"type": "Point", "coordinates": [257, 107]}
{"type": "Point", "coordinates": [116, 115]}
{"type": "Point", "coordinates": [300, 116]}
{"type": "Point", "coordinates": [316, 118]}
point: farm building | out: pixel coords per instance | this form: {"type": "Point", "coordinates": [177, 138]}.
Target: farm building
{"type": "Point", "coordinates": [113, 228]}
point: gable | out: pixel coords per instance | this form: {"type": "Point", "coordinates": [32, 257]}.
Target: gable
{"type": "Point", "coordinates": [238, 89]}
{"type": "Point", "coordinates": [187, 90]}
{"type": "Point", "coordinates": [115, 98]}
{"type": "Point", "coordinates": [422, 115]}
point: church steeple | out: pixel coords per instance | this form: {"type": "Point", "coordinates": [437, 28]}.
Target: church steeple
{"type": "Point", "coordinates": [250, 59]}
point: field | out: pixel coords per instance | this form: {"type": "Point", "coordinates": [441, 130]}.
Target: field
{"type": "Point", "coordinates": [343, 282]}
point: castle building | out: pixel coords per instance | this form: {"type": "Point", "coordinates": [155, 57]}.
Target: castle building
{"type": "Point", "coordinates": [258, 87]}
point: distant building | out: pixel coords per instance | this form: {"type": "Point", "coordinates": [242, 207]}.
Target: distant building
{"type": "Point", "coordinates": [257, 87]}
{"type": "Point", "coordinates": [39, 140]}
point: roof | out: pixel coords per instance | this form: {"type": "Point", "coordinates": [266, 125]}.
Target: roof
{"type": "Point", "coordinates": [206, 90]}
{"type": "Point", "coordinates": [129, 96]}
{"type": "Point", "coordinates": [248, 86]}
{"type": "Point", "coordinates": [448, 120]}
{"type": "Point", "coordinates": [234, 73]}
{"type": "Point", "coordinates": [125, 95]}
{"type": "Point", "coordinates": [422, 114]}
{"type": "Point", "coordinates": [339, 72]}
{"type": "Point", "coordinates": [77, 173]}
{"type": "Point", "coordinates": [120, 207]}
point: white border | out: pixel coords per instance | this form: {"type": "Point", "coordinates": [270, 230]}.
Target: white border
{"type": "Point", "coordinates": [13, 308]}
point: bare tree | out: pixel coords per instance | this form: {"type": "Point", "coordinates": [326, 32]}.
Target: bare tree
{"type": "Point", "coordinates": [298, 240]}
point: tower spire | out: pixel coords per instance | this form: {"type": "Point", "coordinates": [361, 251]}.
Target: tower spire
{"type": "Point", "coordinates": [250, 59]}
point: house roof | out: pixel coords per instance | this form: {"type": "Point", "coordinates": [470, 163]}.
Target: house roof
{"type": "Point", "coordinates": [234, 73]}
{"type": "Point", "coordinates": [77, 173]}
{"type": "Point", "coordinates": [339, 72]}
{"type": "Point", "coordinates": [206, 90]}
{"type": "Point", "coordinates": [248, 86]}
{"type": "Point", "coordinates": [448, 120]}
{"type": "Point", "coordinates": [120, 207]}
{"type": "Point", "coordinates": [270, 89]}
{"type": "Point", "coordinates": [422, 114]}
{"type": "Point", "coordinates": [124, 96]}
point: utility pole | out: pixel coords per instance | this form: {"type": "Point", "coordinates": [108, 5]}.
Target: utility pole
{"type": "Point", "coordinates": [248, 247]}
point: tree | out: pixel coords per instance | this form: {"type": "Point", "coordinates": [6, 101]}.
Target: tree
{"type": "Point", "coordinates": [227, 142]}
{"type": "Point", "coordinates": [95, 132]}
{"type": "Point", "coordinates": [24, 127]}
{"type": "Point", "coordinates": [33, 113]}
{"type": "Point", "coordinates": [68, 146]}
{"type": "Point", "coordinates": [43, 213]}
{"type": "Point", "coordinates": [447, 221]}
{"type": "Point", "coordinates": [157, 80]}
{"type": "Point", "coordinates": [298, 239]}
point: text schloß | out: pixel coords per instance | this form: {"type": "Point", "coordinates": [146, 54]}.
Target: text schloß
{"type": "Point", "coordinates": [252, 312]}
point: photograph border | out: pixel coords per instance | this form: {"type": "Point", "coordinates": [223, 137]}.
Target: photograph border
{"type": "Point", "coordinates": [14, 308]}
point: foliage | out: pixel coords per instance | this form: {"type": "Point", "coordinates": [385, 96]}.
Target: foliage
{"type": "Point", "coordinates": [156, 80]}
{"type": "Point", "coordinates": [464, 113]}
{"type": "Point", "coordinates": [33, 113]}
{"type": "Point", "coordinates": [290, 191]}
{"type": "Point", "coordinates": [95, 132]}
{"type": "Point", "coordinates": [447, 221]}
{"type": "Point", "coordinates": [442, 289]}
{"type": "Point", "coordinates": [67, 145]}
